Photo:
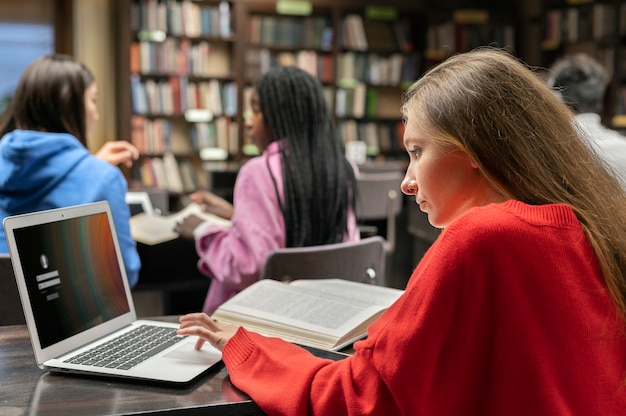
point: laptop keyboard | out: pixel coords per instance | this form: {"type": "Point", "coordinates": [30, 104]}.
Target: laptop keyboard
{"type": "Point", "coordinates": [129, 349]}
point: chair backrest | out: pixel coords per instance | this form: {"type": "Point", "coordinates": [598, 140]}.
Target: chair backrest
{"type": "Point", "coordinates": [11, 312]}
{"type": "Point", "coordinates": [379, 198]}
{"type": "Point", "coordinates": [373, 195]}
{"type": "Point", "coordinates": [361, 261]}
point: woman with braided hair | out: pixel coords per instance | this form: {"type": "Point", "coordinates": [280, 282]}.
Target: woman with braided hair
{"type": "Point", "coordinates": [299, 192]}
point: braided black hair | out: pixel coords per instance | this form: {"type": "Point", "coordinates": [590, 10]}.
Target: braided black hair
{"type": "Point", "coordinates": [318, 181]}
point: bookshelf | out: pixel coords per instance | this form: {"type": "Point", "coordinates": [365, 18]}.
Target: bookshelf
{"type": "Point", "coordinates": [365, 54]}
{"type": "Point", "coordinates": [597, 28]}
{"type": "Point", "coordinates": [461, 30]}
{"type": "Point", "coordinates": [302, 37]}
{"type": "Point", "coordinates": [378, 57]}
{"type": "Point", "coordinates": [178, 83]}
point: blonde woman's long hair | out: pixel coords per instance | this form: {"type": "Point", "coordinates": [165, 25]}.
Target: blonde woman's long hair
{"type": "Point", "coordinates": [523, 138]}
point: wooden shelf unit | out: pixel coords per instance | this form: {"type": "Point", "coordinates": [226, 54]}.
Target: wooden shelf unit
{"type": "Point", "coordinates": [353, 47]}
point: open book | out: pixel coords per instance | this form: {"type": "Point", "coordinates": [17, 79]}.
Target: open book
{"type": "Point", "coordinates": [154, 229]}
{"type": "Point", "coordinates": [323, 313]}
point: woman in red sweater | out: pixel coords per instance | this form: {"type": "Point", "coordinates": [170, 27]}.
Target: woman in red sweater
{"type": "Point", "coordinates": [518, 307]}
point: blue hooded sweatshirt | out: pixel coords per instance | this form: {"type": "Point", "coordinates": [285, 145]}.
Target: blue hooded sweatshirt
{"type": "Point", "coordinates": [40, 171]}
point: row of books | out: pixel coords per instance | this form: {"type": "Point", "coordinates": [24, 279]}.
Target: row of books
{"type": "Point", "coordinates": [168, 173]}
{"type": "Point", "coordinates": [372, 68]}
{"type": "Point", "coordinates": [221, 133]}
{"type": "Point", "coordinates": [151, 136]}
{"type": "Point", "coordinates": [378, 136]}
{"type": "Point", "coordinates": [180, 56]}
{"type": "Point", "coordinates": [155, 136]}
{"type": "Point", "coordinates": [362, 101]}
{"type": "Point", "coordinates": [175, 95]}
{"type": "Point", "coordinates": [179, 175]}
{"type": "Point", "coordinates": [355, 102]}
{"type": "Point", "coordinates": [586, 22]}
{"type": "Point", "coordinates": [159, 136]}
{"type": "Point", "coordinates": [376, 69]}
{"type": "Point", "coordinates": [311, 32]}
{"type": "Point", "coordinates": [360, 34]}
{"type": "Point", "coordinates": [450, 37]}
{"type": "Point", "coordinates": [319, 65]}
{"type": "Point", "coordinates": [182, 18]}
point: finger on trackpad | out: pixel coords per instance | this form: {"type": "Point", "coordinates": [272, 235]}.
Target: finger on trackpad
{"type": "Point", "coordinates": [187, 352]}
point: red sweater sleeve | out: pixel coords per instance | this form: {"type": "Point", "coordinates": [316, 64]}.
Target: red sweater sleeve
{"type": "Point", "coordinates": [506, 314]}
{"type": "Point", "coordinates": [284, 379]}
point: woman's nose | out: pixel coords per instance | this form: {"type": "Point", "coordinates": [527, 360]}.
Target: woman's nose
{"type": "Point", "coordinates": [408, 186]}
{"type": "Point", "coordinates": [247, 119]}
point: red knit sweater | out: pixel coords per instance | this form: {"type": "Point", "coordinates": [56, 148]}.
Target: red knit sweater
{"type": "Point", "coordinates": [506, 314]}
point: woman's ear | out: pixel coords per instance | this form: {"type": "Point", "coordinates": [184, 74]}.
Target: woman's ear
{"type": "Point", "coordinates": [471, 159]}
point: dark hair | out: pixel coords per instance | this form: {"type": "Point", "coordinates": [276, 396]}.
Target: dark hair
{"type": "Point", "coordinates": [50, 96]}
{"type": "Point", "coordinates": [581, 82]}
{"type": "Point", "coordinates": [318, 181]}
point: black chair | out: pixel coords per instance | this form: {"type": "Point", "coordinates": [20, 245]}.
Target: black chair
{"type": "Point", "coordinates": [361, 261]}
{"type": "Point", "coordinates": [11, 312]}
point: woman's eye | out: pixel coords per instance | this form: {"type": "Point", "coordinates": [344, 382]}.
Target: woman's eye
{"type": "Point", "coordinates": [416, 152]}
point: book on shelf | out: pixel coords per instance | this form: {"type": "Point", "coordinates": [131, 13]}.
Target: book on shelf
{"type": "Point", "coordinates": [153, 229]}
{"type": "Point", "coordinates": [188, 177]}
{"type": "Point", "coordinates": [358, 100]}
{"type": "Point", "coordinates": [353, 32]}
{"type": "Point", "coordinates": [329, 314]}
{"type": "Point", "coordinates": [172, 173]}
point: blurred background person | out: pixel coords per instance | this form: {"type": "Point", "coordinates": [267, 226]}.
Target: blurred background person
{"type": "Point", "coordinates": [299, 192]}
{"type": "Point", "coordinates": [581, 82]}
{"type": "Point", "coordinates": [44, 156]}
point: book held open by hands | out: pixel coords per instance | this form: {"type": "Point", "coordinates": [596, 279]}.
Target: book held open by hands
{"type": "Point", "coordinates": [154, 229]}
{"type": "Point", "coordinates": [328, 314]}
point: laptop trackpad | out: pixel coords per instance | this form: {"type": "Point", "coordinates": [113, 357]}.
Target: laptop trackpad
{"type": "Point", "coordinates": [187, 352]}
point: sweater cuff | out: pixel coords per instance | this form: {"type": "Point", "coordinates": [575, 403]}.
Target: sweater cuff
{"type": "Point", "coordinates": [238, 348]}
{"type": "Point", "coordinates": [201, 229]}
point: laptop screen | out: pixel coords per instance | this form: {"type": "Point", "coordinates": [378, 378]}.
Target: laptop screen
{"type": "Point", "coordinates": [72, 274]}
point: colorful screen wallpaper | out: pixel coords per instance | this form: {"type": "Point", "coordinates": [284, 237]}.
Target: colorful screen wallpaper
{"type": "Point", "coordinates": [72, 274]}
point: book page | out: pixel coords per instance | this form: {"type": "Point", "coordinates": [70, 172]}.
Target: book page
{"type": "Point", "coordinates": [371, 294]}
{"type": "Point", "coordinates": [154, 229]}
{"type": "Point", "coordinates": [317, 314]}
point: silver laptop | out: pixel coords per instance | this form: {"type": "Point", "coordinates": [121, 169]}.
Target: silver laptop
{"type": "Point", "coordinates": [139, 201]}
{"type": "Point", "coordinates": [77, 302]}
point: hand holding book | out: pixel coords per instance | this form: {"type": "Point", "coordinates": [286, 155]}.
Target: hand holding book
{"type": "Point", "coordinates": [186, 225]}
{"type": "Point", "coordinates": [328, 314]}
{"type": "Point", "coordinates": [212, 204]}
{"type": "Point", "coordinates": [155, 229]}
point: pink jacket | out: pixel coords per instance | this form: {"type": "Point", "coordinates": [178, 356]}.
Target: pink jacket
{"type": "Point", "coordinates": [233, 257]}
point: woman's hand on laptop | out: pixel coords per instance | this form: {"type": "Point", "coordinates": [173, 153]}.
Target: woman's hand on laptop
{"type": "Point", "coordinates": [206, 329]}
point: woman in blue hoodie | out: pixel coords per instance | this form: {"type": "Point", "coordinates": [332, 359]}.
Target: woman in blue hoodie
{"type": "Point", "coordinates": [44, 160]}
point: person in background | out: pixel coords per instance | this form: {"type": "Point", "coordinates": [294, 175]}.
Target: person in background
{"type": "Point", "coordinates": [43, 150]}
{"type": "Point", "coordinates": [581, 82]}
{"type": "Point", "coordinates": [517, 308]}
{"type": "Point", "coordinates": [299, 192]}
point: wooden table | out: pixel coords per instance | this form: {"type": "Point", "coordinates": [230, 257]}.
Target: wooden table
{"type": "Point", "coordinates": [27, 390]}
